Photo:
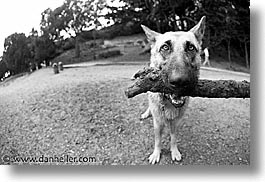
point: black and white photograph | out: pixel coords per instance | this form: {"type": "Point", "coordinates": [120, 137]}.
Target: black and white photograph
{"type": "Point", "coordinates": [125, 82]}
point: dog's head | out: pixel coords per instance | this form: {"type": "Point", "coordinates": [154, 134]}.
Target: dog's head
{"type": "Point", "coordinates": [177, 52]}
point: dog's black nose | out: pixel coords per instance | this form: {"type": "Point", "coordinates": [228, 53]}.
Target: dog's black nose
{"type": "Point", "coordinates": [179, 82]}
{"type": "Point", "coordinates": [178, 79]}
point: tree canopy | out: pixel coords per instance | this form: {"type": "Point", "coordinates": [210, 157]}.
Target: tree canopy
{"type": "Point", "coordinates": [228, 26]}
{"type": "Point", "coordinates": [16, 53]}
{"type": "Point", "coordinates": [228, 21]}
{"type": "Point", "coordinates": [72, 17]}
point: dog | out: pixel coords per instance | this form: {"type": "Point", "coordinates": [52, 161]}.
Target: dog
{"type": "Point", "coordinates": [179, 53]}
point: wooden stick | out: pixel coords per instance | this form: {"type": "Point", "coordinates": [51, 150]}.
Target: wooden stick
{"type": "Point", "coordinates": [153, 80]}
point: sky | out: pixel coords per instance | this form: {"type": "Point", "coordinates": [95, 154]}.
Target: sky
{"type": "Point", "coordinates": [21, 16]}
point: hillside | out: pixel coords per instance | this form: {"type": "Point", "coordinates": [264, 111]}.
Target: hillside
{"type": "Point", "coordinates": [127, 45]}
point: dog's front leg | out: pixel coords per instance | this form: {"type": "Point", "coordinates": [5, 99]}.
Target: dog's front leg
{"type": "Point", "coordinates": [155, 156]}
{"type": "Point", "coordinates": [175, 154]}
{"type": "Point", "coordinates": [146, 114]}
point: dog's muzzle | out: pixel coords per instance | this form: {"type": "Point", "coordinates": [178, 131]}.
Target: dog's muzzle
{"type": "Point", "coordinates": [176, 101]}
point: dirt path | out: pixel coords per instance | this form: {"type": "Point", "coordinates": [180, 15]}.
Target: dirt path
{"type": "Point", "coordinates": [84, 112]}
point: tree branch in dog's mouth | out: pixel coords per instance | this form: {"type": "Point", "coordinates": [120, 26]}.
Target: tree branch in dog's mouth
{"type": "Point", "coordinates": [153, 80]}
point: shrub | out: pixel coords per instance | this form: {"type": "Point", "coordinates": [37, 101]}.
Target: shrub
{"type": "Point", "coordinates": [110, 53]}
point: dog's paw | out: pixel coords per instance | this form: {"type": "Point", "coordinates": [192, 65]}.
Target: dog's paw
{"type": "Point", "coordinates": [132, 78]}
{"type": "Point", "coordinates": [175, 155]}
{"type": "Point", "coordinates": [154, 157]}
{"type": "Point", "coordinates": [145, 116]}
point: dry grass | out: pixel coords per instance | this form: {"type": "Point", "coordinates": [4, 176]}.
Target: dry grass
{"type": "Point", "coordinates": [84, 112]}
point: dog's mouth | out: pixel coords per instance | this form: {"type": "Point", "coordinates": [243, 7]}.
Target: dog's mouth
{"type": "Point", "coordinates": [175, 100]}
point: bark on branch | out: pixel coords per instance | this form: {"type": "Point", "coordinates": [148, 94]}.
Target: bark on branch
{"type": "Point", "coordinates": [153, 80]}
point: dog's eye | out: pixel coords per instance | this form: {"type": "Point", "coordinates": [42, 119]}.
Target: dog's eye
{"type": "Point", "coordinates": [165, 47]}
{"type": "Point", "coordinates": [191, 47]}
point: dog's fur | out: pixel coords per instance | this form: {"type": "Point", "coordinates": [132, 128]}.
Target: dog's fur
{"type": "Point", "coordinates": [178, 53]}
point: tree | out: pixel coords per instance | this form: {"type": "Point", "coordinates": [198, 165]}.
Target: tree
{"type": "Point", "coordinates": [230, 29]}
{"type": "Point", "coordinates": [228, 23]}
{"type": "Point", "coordinates": [243, 28]}
{"type": "Point", "coordinates": [16, 53]}
{"type": "Point", "coordinates": [96, 9]}
{"type": "Point", "coordinates": [72, 17]}
{"type": "Point", "coordinates": [3, 68]}
{"type": "Point", "coordinates": [82, 14]}
{"type": "Point", "coordinates": [161, 15]}
{"type": "Point", "coordinates": [75, 19]}
{"type": "Point", "coordinates": [41, 47]}
{"type": "Point", "coordinates": [53, 22]}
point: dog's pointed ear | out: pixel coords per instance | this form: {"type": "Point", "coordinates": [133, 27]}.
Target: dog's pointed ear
{"type": "Point", "coordinates": [150, 34]}
{"type": "Point", "coordinates": [199, 29]}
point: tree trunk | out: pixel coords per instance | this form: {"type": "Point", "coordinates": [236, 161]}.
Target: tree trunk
{"type": "Point", "coordinates": [16, 69]}
{"type": "Point", "coordinates": [181, 20]}
{"type": "Point", "coordinates": [174, 18]}
{"type": "Point", "coordinates": [158, 26]}
{"type": "Point", "coordinates": [208, 39]}
{"type": "Point", "coordinates": [229, 53]}
{"type": "Point", "coordinates": [153, 80]}
{"type": "Point", "coordinates": [77, 46]}
{"type": "Point", "coordinates": [246, 54]}
{"type": "Point", "coordinates": [94, 42]}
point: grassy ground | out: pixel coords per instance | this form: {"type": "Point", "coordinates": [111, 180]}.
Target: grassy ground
{"type": "Point", "coordinates": [84, 112]}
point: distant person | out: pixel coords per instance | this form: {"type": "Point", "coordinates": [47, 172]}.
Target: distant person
{"type": "Point", "coordinates": [146, 47]}
{"type": "Point", "coordinates": [206, 57]}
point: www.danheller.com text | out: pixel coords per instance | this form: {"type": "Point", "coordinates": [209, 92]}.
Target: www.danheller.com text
{"type": "Point", "coordinates": [48, 159]}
